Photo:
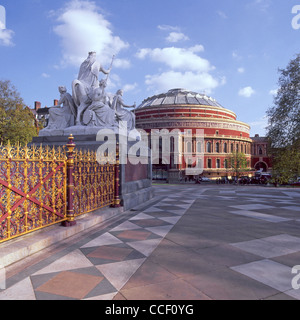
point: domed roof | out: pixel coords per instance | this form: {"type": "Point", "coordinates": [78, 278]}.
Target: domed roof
{"type": "Point", "coordinates": [179, 97]}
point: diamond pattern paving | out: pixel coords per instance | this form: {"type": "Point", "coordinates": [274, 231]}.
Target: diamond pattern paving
{"type": "Point", "coordinates": [70, 284]}
{"type": "Point", "coordinates": [213, 242]}
{"type": "Point", "coordinates": [99, 268]}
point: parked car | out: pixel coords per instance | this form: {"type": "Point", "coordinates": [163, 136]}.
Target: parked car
{"type": "Point", "coordinates": [205, 179]}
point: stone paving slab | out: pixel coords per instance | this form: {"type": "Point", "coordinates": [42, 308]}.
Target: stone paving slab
{"type": "Point", "coordinates": [191, 242]}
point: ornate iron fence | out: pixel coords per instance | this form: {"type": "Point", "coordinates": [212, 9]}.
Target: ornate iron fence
{"type": "Point", "coordinates": [40, 186]}
{"type": "Point", "coordinates": [93, 183]}
{"type": "Point", "coordinates": [32, 189]}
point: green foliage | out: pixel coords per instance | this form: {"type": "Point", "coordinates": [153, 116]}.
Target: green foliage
{"type": "Point", "coordinates": [17, 123]}
{"type": "Point", "coordinates": [238, 163]}
{"type": "Point", "coordinates": [284, 125]}
{"type": "Point", "coordinates": [286, 165]}
{"type": "Point", "coordinates": [284, 116]}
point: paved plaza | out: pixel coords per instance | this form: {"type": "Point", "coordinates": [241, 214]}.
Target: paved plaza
{"type": "Point", "coordinates": [190, 242]}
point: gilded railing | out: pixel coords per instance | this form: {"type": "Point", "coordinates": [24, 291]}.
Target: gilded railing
{"type": "Point", "coordinates": [94, 184]}
{"type": "Point", "coordinates": [42, 186]}
{"type": "Point", "coordinates": [32, 189]}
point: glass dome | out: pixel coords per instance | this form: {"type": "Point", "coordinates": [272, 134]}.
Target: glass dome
{"type": "Point", "coordinates": [179, 97]}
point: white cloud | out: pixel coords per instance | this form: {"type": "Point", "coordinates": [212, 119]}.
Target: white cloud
{"type": "Point", "coordinates": [273, 92]}
{"type": "Point", "coordinates": [180, 67]}
{"type": "Point", "coordinates": [142, 53]}
{"type": "Point", "coordinates": [130, 87]}
{"type": "Point", "coordinates": [178, 58]}
{"type": "Point", "coordinates": [122, 63]}
{"type": "Point", "coordinates": [262, 5]}
{"type": "Point", "coordinates": [183, 68]}
{"type": "Point", "coordinates": [236, 56]}
{"type": "Point", "coordinates": [241, 70]}
{"type": "Point", "coordinates": [176, 37]}
{"type": "Point", "coordinates": [188, 80]}
{"type": "Point", "coordinates": [45, 75]}
{"type": "Point", "coordinates": [6, 36]}
{"type": "Point", "coordinates": [175, 34]}
{"type": "Point", "coordinates": [166, 27]}
{"type": "Point", "coordinates": [83, 28]}
{"type": "Point", "coordinates": [114, 82]}
{"type": "Point", "coordinates": [246, 92]}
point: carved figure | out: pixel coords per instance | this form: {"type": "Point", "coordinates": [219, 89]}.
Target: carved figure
{"type": "Point", "coordinates": [88, 80]}
{"type": "Point", "coordinates": [122, 114]}
{"type": "Point", "coordinates": [99, 113]}
{"type": "Point", "coordinates": [89, 107]}
{"type": "Point", "coordinates": [62, 117]}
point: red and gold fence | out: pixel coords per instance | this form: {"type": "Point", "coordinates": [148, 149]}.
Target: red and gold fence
{"type": "Point", "coordinates": [40, 187]}
{"type": "Point", "coordinates": [93, 183]}
{"type": "Point", "coordinates": [32, 189]}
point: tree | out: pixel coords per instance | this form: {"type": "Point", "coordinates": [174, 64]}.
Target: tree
{"type": "Point", "coordinates": [284, 116]}
{"type": "Point", "coordinates": [286, 165]}
{"type": "Point", "coordinates": [17, 123]}
{"type": "Point", "coordinates": [284, 124]}
{"type": "Point", "coordinates": [238, 163]}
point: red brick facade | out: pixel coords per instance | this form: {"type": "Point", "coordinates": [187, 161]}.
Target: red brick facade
{"type": "Point", "coordinates": [189, 112]}
{"type": "Point", "coordinates": [260, 157]}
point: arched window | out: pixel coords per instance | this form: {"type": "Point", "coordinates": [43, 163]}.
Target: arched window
{"type": "Point", "coordinates": [208, 147]}
{"type": "Point", "coordinates": [231, 148]}
{"type": "Point", "coordinates": [226, 164]}
{"type": "Point", "coordinates": [209, 164]}
{"type": "Point", "coordinates": [217, 147]}
{"type": "Point", "coordinates": [260, 151]}
{"type": "Point", "coordinates": [237, 148]}
{"type": "Point", "coordinates": [225, 148]}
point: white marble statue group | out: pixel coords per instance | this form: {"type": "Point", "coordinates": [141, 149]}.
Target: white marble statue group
{"type": "Point", "coordinates": [89, 108]}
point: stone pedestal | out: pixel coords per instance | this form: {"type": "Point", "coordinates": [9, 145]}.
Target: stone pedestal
{"type": "Point", "coordinates": [135, 184]}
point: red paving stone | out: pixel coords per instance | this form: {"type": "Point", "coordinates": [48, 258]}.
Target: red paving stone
{"type": "Point", "coordinates": [70, 284]}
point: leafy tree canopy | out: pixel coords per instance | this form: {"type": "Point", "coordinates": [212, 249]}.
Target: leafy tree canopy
{"type": "Point", "coordinates": [286, 165]}
{"type": "Point", "coordinates": [238, 163]}
{"type": "Point", "coordinates": [284, 116]}
{"type": "Point", "coordinates": [17, 123]}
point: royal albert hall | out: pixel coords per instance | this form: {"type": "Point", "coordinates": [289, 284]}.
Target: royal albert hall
{"type": "Point", "coordinates": [190, 112]}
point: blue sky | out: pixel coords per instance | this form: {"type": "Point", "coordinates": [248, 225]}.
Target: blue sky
{"type": "Point", "coordinates": [229, 49]}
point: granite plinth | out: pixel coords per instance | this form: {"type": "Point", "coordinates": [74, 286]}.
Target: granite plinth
{"type": "Point", "coordinates": [84, 142]}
